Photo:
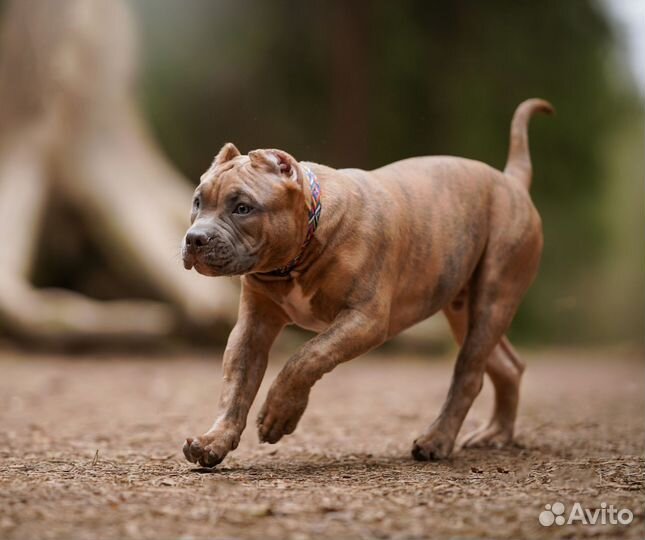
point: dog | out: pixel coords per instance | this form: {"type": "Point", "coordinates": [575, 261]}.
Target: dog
{"type": "Point", "coordinates": [358, 256]}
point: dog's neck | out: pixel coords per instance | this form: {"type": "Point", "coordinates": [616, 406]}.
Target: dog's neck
{"type": "Point", "coordinates": [314, 209]}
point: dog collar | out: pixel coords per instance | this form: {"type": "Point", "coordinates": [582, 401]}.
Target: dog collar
{"type": "Point", "coordinates": [314, 209]}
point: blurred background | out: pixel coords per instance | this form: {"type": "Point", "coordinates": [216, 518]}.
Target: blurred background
{"type": "Point", "coordinates": [112, 110]}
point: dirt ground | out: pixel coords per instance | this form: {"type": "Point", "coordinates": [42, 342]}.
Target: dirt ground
{"type": "Point", "coordinates": [91, 448]}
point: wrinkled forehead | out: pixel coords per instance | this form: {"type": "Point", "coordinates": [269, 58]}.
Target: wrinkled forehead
{"type": "Point", "coordinates": [216, 170]}
{"type": "Point", "coordinates": [236, 176]}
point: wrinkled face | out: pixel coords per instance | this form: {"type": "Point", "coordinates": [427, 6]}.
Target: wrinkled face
{"type": "Point", "coordinates": [248, 214]}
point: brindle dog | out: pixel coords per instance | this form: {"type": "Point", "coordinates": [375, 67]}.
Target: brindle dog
{"type": "Point", "coordinates": [393, 246]}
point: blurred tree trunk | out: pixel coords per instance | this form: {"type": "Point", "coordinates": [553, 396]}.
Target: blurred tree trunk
{"type": "Point", "coordinates": [350, 82]}
{"type": "Point", "coordinates": [69, 124]}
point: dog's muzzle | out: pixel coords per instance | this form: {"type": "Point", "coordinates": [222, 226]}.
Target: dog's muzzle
{"type": "Point", "coordinates": [211, 253]}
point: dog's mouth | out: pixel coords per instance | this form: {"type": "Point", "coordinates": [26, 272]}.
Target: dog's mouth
{"type": "Point", "coordinates": [206, 264]}
{"type": "Point", "coordinates": [189, 259]}
{"type": "Point", "coordinates": [208, 270]}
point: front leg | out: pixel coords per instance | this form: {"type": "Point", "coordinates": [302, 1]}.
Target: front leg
{"type": "Point", "coordinates": [351, 334]}
{"type": "Point", "coordinates": [245, 361]}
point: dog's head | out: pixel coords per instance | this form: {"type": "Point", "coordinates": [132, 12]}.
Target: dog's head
{"type": "Point", "coordinates": [248, 213]}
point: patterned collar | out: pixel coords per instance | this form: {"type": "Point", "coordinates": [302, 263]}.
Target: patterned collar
{"type": "Point", "coordinates": [312, 223]}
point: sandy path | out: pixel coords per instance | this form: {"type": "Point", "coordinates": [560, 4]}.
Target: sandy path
{"type": "Point", "coordinates": [345, 473]}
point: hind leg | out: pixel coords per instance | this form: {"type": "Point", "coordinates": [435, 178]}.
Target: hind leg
{"type": "Point", "coordinates": [505, 369]}
{"type": "Point", "coordinates": [494, 296]}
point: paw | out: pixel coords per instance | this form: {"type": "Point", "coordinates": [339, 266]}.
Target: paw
{"type": "Point", "coordinates": [432, 447]}
{"type": "Point", "coordinates": [280, 414]}
{"type": "Point", "coordinates": [495, 435]}
{"type": "Point", "coordinates": [211, 448]}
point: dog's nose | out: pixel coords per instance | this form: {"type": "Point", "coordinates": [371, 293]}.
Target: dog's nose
{"type": "Point", "coordinates": [197, 238]}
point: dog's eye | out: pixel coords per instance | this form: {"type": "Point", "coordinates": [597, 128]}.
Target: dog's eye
{"type": "Point", "coordinates": [242, 209]}
{"type": "Point", "coordinates": [196, 204]}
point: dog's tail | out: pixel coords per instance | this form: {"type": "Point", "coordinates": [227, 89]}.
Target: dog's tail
{"type": "Point", "coordinates": [518, 164]}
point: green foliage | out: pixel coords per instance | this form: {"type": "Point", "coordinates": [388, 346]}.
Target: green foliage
{"type": "Point", "coordinates": [363, 83]}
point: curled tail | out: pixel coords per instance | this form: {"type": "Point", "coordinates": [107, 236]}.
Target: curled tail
{"type": "Point", "coordinates": [518, 164]}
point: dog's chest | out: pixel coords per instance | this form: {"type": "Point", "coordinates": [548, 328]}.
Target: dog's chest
{"type": "Point", "coordinates": [298, 307]}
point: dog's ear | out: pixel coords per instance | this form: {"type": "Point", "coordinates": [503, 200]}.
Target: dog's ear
{"type": "Point", "coordinates": [277, 161]}
{"type": "Point", "coordinates": [227, 153]}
